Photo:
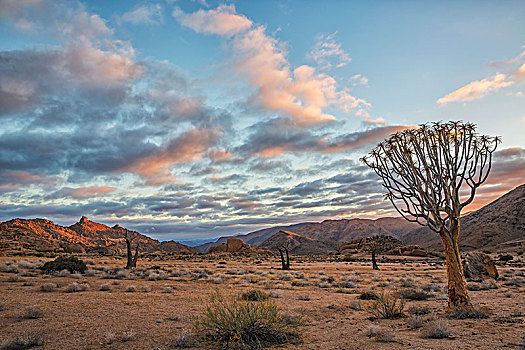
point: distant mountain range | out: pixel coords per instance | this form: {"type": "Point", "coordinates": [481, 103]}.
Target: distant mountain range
{"type": "Point", "coordinates": [499, 226]}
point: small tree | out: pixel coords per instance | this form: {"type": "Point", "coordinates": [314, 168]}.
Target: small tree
{"type": "Point", "coordinates": [431, 173]}
{"type": "Point", "coordinates": [130, 236]}
{"type": "Point", "coordinates": [373, 249]}
{"type": "Point", "coordinates": [284, 249]}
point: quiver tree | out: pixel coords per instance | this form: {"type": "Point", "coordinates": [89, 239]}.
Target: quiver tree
{"type": "Point", "coordinates": [284, 250]}
{"type": "Point", "coordinates": [431, 173]}
{"type": "Point", "coordinates": [373, 249]}
{"type": "Point", "coordinates": [129, 237]}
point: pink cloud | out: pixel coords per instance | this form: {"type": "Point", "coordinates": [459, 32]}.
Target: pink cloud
{"type": "Point", "coordinates": [477, 89]}
{"type": "Point", "coordinates": [221, 21]}
{"type": "Point", "coordinates": [301, 93]}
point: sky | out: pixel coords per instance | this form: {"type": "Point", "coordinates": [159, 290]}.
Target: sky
{"type": "Point", "coordinates": [189, 120]}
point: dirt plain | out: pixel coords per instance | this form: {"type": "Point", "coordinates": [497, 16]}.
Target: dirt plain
{"type": "Point", "coordinates": [151, 306]}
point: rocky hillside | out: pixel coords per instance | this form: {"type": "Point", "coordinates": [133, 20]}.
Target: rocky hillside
{"type": "Point", "coordinates": [299, 245]}
{"type": "Point", "coordinates": [85, 236]}
{"type": "Point", "coordinates": [254, 238]}
{"type": "Point", "coordinates": [346, 230]}
{"type": "Point", "coordinates": [498, 226]}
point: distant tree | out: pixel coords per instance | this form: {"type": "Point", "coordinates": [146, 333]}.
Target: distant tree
{"type": "Point", "coordinates": [284, 250]}
{"type": "Point", "coordinates": [129, 237]}
{"type": "Point", "coordinates": [431, 173]}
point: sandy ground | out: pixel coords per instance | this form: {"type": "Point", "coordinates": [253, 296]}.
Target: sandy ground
{"type": "Point", "coordinates": [165, 300]}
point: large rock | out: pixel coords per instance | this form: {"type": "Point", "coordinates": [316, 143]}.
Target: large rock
{"type": "Point", "coordinates": [234, 244]}
{"type": "Point", "coordinates": [222, 248]}
{"type": "Point", "coordinates": [478, 266]}
{"type": "Point", "coordinates": [382, 244]}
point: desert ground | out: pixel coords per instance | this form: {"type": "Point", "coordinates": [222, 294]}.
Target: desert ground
{"type": "Point", "coordinates": [153, 306]}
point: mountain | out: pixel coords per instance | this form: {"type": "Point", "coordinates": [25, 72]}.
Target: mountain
{"type": "Point", "coordinates": [254, 238]}
{"type": "Point", "coordinates": [299, 245]}
{"type": "Point", "coordinates": [345, 230]}
{"type": "Point", "coordinates": [497, 226]}
{"type": "Point", "coordinates": [85, 235]}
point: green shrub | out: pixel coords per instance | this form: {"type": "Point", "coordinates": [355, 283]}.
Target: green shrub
{"type": "Point", "coordinates": [254, 295]}
{"type": "Point", "coordinates": [348, 257]}
{"type": "Point", "coordinates": [387, 305]}
{"type": "Point", "coordinates": [232, 322]}
{"type": "Point", "coordinates": [70, 263]}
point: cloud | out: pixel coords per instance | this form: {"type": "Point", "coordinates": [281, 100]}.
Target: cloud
{"type": "Point", "coordinates": [481, 88]}
{"type": "Point", "coordinates": [145, 14]}
{"type": "Point", "coordinates": [222, 21]}
{"type": "Point", "coordinates": [328, 53]}
{"type": "Point", "coordinates": [300, 93]}
{"type": "Point", "coordinates": [82, 192]}
{"type": "Point", "coordinates": [477, 89]}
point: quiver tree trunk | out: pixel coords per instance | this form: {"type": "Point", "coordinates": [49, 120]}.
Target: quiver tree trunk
{"type": "Point", "coordinates": [374, 262]}
{"type": "Point", "coordinates": [132, 260]}
{"type": "Point", "coordinates": [457, 286]}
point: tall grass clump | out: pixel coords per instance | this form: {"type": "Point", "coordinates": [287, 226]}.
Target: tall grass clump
{"type": "Point", "coordinates": [235, 323]}
{"type": "Point", "coordinates": [387, 306]}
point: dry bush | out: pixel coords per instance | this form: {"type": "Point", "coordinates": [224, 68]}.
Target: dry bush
{"type": "Point", "coordinates": [380, 334]}
{"type": "Point", "coordinates": [414, 294]}
{"type": "Point", "coordinates": [461, 313]}
{"type": "Point", "coordinates": [105, 287]}
{"type": "Point", "coordinates": [9, 268]}
{"type": "Point", "coordinates": [418, 310]}
{"type": "Point", "coordinates": [185, 339]}
{"type": "Point", "coordinates": [131, 289]}
{"type": "Point", "coordinates": [387, 306]}
{"type": "Point", "coordinates": [26, 340]}
{"type": "Point", "coordinates": [368, 295]}
{"type": "Point", "coordinates": [415, 322]}
{"type": "Point", "coordinates": [254, 295]}
{"type": "Point", "coordinates": [77, 287]}
{"type": "Point", "coordinates": [26, 264]}
{"type": "Point", "coordinates": [228, 322]}
{"type": "Point", "coordinates": [437, 329]}
{"type": "Point", "coordinates": [32, 312]}
{"type": "Point", "coordinates": [48, 287]}
{"type": "Point", "coordinates": [14, 278]}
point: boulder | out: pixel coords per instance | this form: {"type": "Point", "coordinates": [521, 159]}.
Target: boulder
{"type": "Point", "coordinates": [234, 244]}
{"type": "Point", "coordinates": [478, 266]}
{"type": "Point", "coordinates": [74, 248]}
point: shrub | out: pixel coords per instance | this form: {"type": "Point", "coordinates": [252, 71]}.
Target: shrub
{"type": "Point", "coordinates": [505, 257]}
{"type": "Point", "coordinates": [48, 287]}
{"type": "Point", "coordinates": [388, 306]}
{"type": "Point", "coordinates": [414, 294]}
{"type": "Point", "coordinates": [70, 263]}
{"type": "Point", "coordinates": [415, 322]}
{"type": "Point", "coordinates": [9, 268]}
{"type": "Point", "coordinates": [254, 295]}
{"type": "Point", "coordinates": [131, 289]}
{"type": "Point", "coordinates": [26, 264]}
{"type": "Point", "coordinates": [32, 312]}
{"type": "Point", "coordinates": [380, 334]}
{"type": "Point", "coordinates": [183, 340]}
{"type": "Point", "coordinates": [436, 330]}
{"type": "Point", "coordinates": [232, 322]}
{"type": "Point", "coordinates": [348, 257]}
{"type": "Point", "coordinates": [24, 341]}
{"type": "Point", "coordinates": [368, 295]}
{"type": "Point", "coordinates": [461, 313]}
{"type": "Point", "coordinates": [77, 287]}
{"type": "Point", "coordinates": [419, 310]}
{"type": "Point", "coordinates": [105, 287]}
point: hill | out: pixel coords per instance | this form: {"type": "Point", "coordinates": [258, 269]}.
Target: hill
{"type": "Point", "coordinates": [498, 226]}
{"type": "Point", "coordinates": [254, 238]}
{"type": "Point", "coordinates": [299, 245]}
{"type": "Point", "coordinates": [84, 236]}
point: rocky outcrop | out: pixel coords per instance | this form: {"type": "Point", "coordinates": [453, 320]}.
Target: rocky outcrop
{"type": "Point", "coordinates": [238, 247]}
{"type": "Point", "coordinates": [478, 266]}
